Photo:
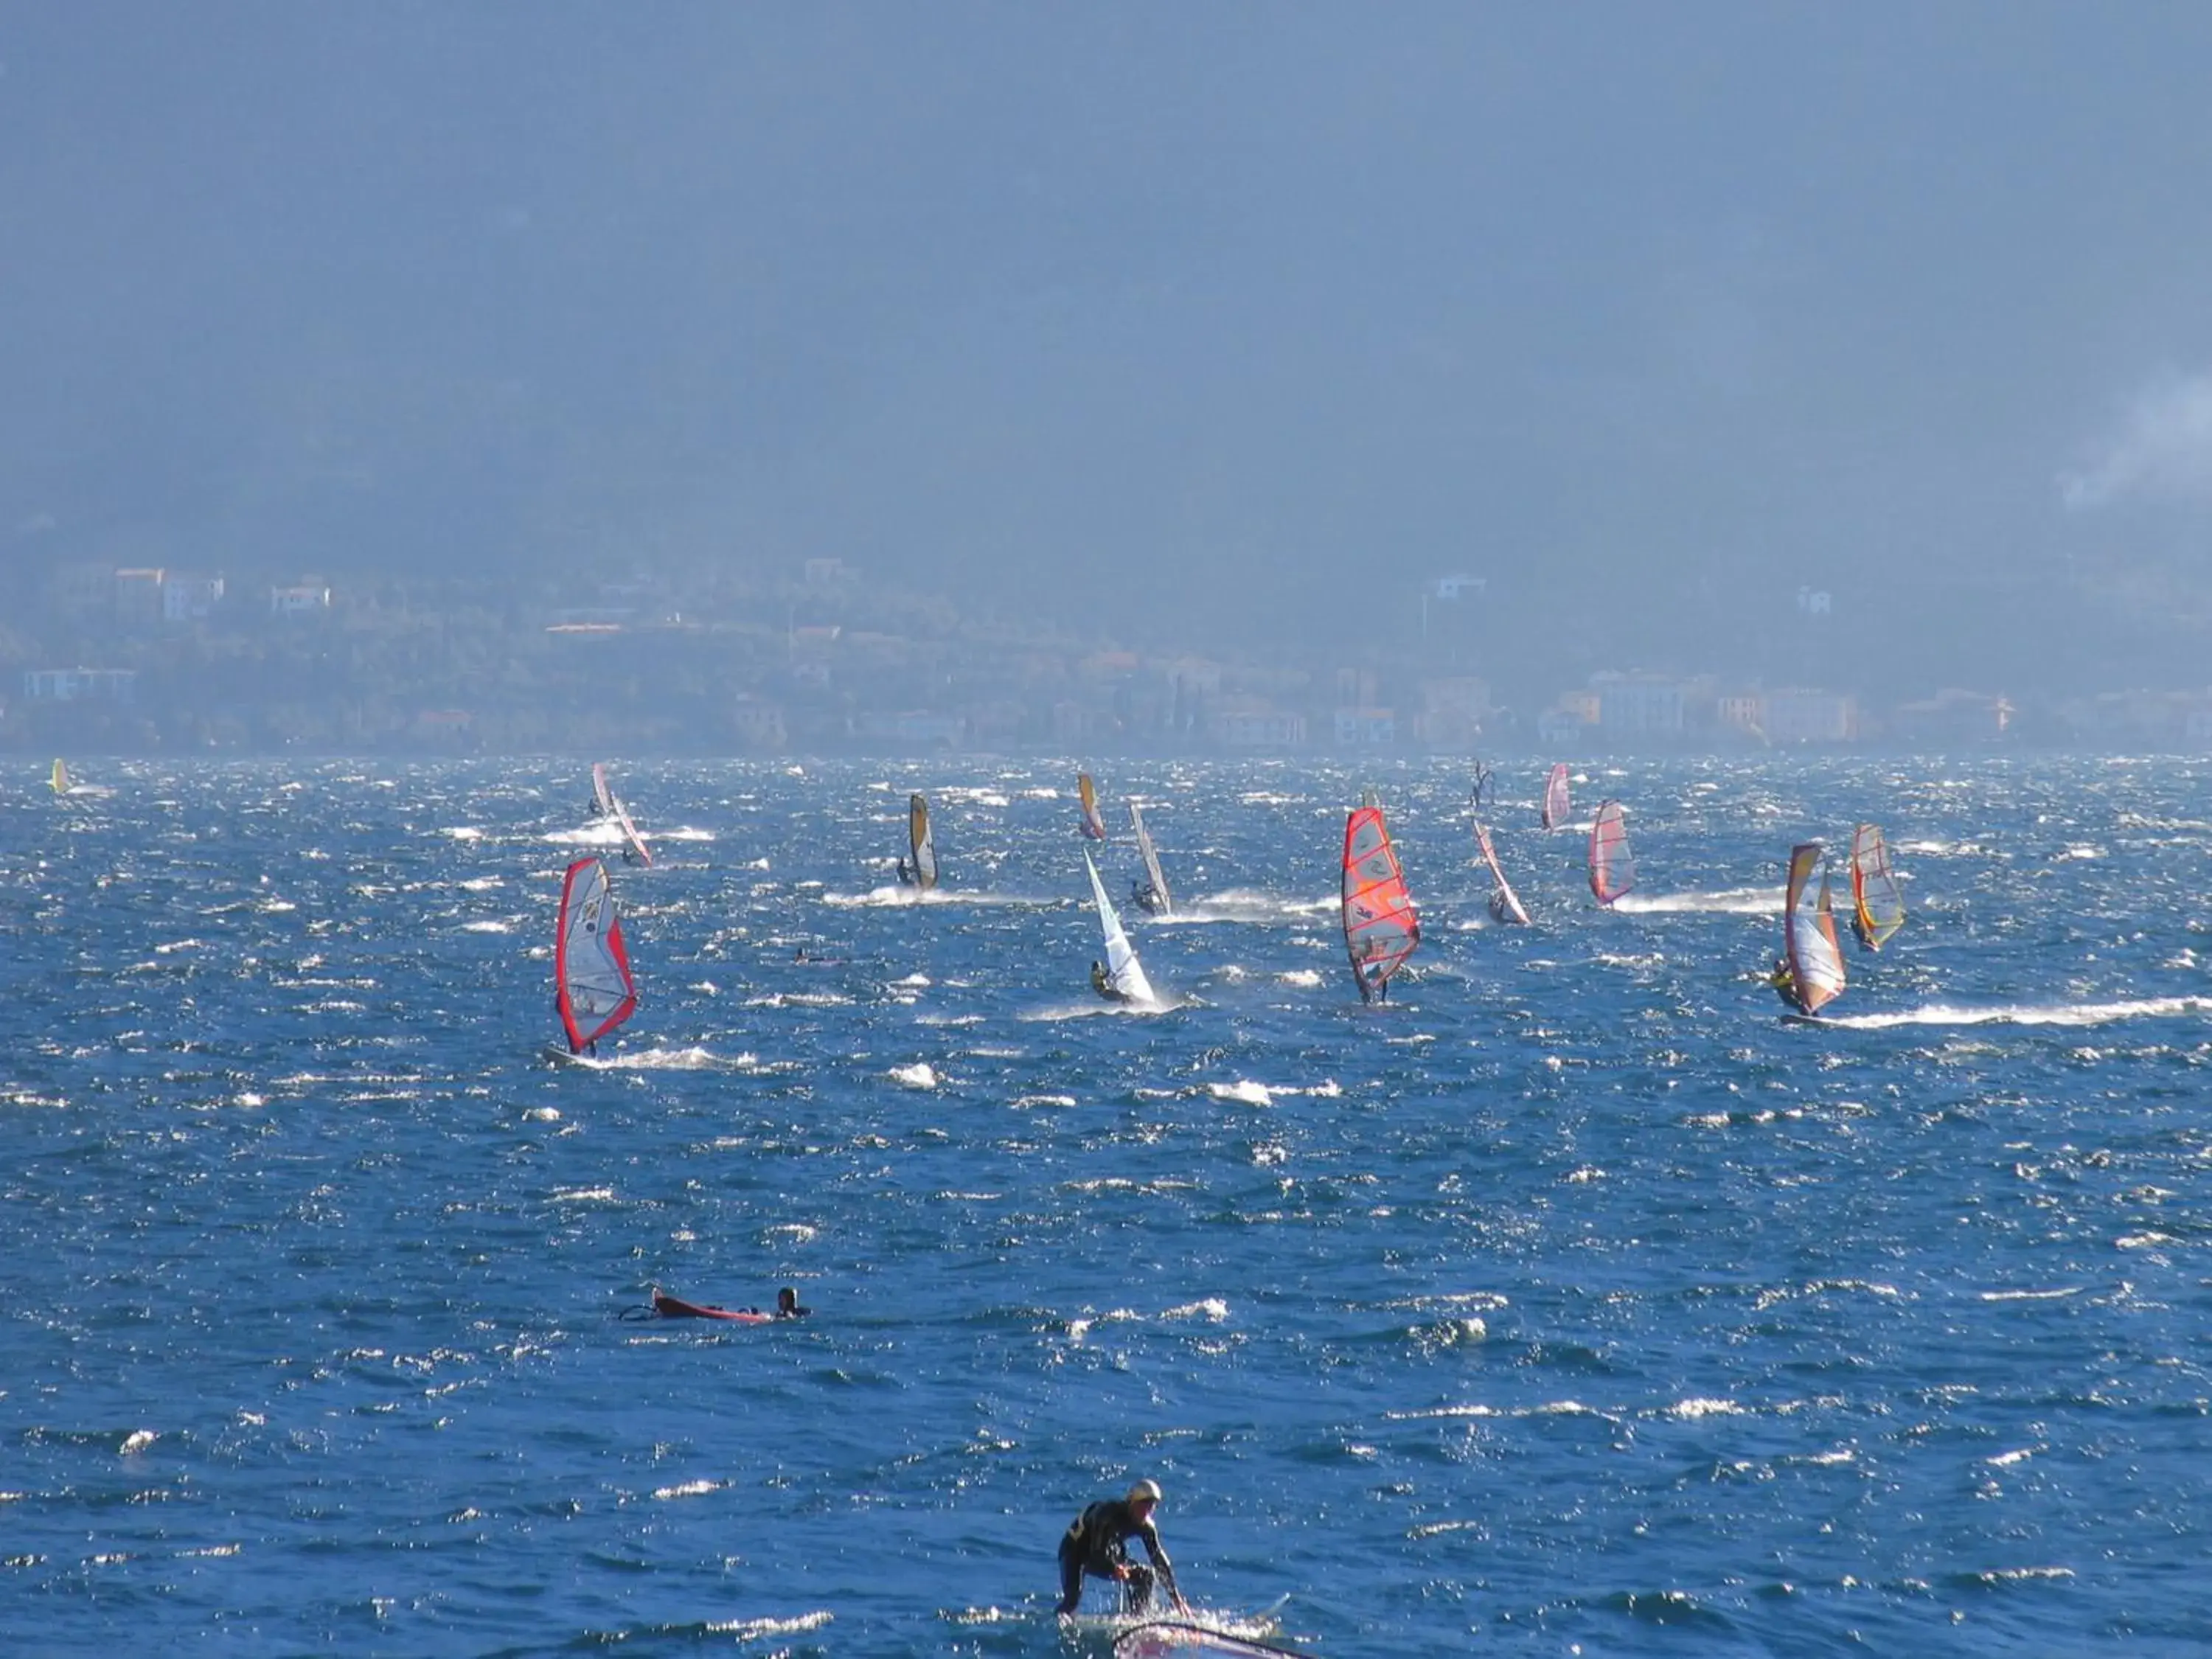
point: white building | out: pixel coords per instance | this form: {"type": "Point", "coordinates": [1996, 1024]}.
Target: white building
{"type": "Point", "coordinates": [306, 600]}
{"type": "Point", "coordinates": [1638, 705]}
{"type": "Point", "coordinates": [189, 599]}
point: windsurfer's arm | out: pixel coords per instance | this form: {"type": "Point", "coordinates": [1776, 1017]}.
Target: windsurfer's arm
{"type": "Point", "coordinates": [1150, 1536]}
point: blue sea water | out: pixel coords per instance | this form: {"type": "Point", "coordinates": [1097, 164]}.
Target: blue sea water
{"type": "Point", "coordinates": [1576, 1302]}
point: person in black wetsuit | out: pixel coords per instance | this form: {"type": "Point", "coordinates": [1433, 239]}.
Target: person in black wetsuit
{"type": "Point", "coordinates": [1099, 1544]}
{"type": "Point", "coordinates": [1104, 985]}
{"type": "Point", "coordinates": [786, 1304]}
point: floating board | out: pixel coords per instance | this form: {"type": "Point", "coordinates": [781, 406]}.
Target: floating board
{"type": "Point", "coordinates": [673, 1307]}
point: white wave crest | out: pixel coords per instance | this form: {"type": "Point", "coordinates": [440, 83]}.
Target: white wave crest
{"type": "Point", "coordinates": [2072, 1013]}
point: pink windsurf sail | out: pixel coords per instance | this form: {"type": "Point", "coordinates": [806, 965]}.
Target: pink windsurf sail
{"type": "Point", "coordinates": [1556, 804]}
{"type": "Point", "coordinates": [1612, 866]}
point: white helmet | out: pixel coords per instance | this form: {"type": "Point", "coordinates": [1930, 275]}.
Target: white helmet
{"type": "Point", "coordinates": [1145, 1491]}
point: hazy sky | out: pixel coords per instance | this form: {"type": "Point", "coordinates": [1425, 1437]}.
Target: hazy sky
{"type": "Point", "coordinates": [1639, 308]}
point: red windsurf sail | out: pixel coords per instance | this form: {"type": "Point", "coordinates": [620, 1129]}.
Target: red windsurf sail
{"type": "Point", "coordinates": [1380, 928]}
{"type": "Point", "coordinates": [592, 986]}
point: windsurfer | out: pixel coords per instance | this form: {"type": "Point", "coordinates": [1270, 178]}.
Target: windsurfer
{"type": "Point", "coordinates": [1104, 985]}
{"type": "Point", "coordinates": [908, 875]}
{"type": "Point", "coordinates": [1784, 982]}
{"type": "Point", "coordinates": [1497, 911]}
{"type": "Point", "coordinates": [1373, 970]}
{"type": "Point", "coordinates": [1099, 1544]}
{"type": "Point", "coordinates": [1144, 896]}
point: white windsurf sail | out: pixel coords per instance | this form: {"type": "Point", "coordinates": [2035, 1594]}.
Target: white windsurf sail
{"type": "Point", "coordinates": [1556, 803]}
{"type": "Point", "coordinates": [1123, 971]}
{"type": "Point", "coordinates": [609, 806]}
{"type": "Point", "coordinates": [1814, 956]}
{"type": "Point", "coordinates": [592, 986]}
{"type": "Point", "coordinates": [1504, 903]}
{"type": "Point", "coordinates": [1163, 903]}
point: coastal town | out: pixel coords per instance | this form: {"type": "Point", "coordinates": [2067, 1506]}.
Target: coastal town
{"type": "Point", "coordinates": [821, 658]}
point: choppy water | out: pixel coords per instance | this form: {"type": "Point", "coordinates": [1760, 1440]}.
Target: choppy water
{"type": "Point", "coordinates": [1576, 1302]}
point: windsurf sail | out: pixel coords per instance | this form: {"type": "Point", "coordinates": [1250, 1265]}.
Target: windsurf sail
{"type": "Point", "coordinates": [1612, 866]}
{"type": "Point", "coordinates": [1811, 976]}
{"type": "Point", "coordinates": [1163, 903]}
{"type": "Point", "coordinates": [1504, 903]}
{"type": "Point", "coordinates": [1556, 805]}
{"type": "Point", "coordinates": [610, 806]}
{"type": "Point", "coordinates": [921, 869]}
{"type": "Point", "coordinates": [61, 778]}
{"type": "Point", "coordinates": [1380, 928]}
{"type": "Point", "coordinates": [592, 986]}
{"type": "Point", "coordinates": [1123, 971]}
{"type": "Point", "coordinates": [1093, 825]}
{"type": "Point", "coordinates": [1877, 901]}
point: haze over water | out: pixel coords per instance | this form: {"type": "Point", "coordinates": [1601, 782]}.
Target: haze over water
{"type": "Point", "coordinates": [1576, 1300]}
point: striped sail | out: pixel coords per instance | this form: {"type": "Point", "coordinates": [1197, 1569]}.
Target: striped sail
{"type": "Point", "coordinates": [1612, 866]}
{"type": "Point", "coordinates": [1877, 901]}
{"type": "Point", "coordinates": [1815, 957]}
{"type": "Point", "coordinates": [1380, 928]}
